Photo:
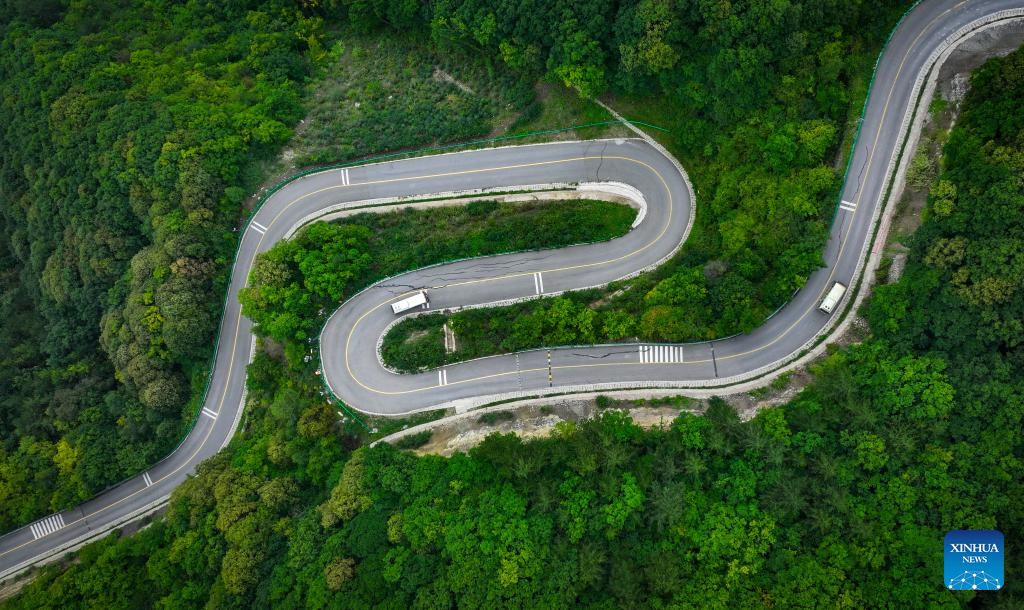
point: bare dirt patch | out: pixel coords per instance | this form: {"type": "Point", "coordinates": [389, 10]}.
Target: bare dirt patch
{"type": "Point", "coordinates": [534, 421]}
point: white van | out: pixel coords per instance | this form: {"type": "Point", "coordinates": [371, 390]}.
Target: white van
{"type": "Point", "coordinates": [828, 304]}
{"type": "Point", "coordinates": [420, 298]}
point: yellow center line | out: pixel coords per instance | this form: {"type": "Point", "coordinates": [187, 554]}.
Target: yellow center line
{"type": "Point", "coordinates": [664, 229]}
{"type": "Point", "coordinates": [842, 247]}
{"type": "Point", "coordinates": [259, 243]}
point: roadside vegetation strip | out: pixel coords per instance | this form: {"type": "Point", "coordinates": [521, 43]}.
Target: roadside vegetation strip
{"type": "Point", "coordinates": [291, 287]}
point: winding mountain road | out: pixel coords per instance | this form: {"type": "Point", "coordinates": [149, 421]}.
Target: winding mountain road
{"type": "Point", "coordinates": [348, 343]}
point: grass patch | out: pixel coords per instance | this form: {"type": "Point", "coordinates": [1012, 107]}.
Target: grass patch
{"type": "Point", "coordinates": [414, 441]}
{"type": "Point", "coordinates": [415, 343]}
{"type": "Point", "coordinates": [385, 426]}
{"type": "Point", "coordinates": [496, 417]}
{"type": "Point", "coordinates": [383, 93]}
{"type": "Point", "coordinates": [780, 382]}
{"type": "Point", "coordinates": [412, 238]}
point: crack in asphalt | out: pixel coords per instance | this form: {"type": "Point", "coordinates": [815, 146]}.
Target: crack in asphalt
{"type": "Point", "coordinates": [604, 355]}
{"type": "Point", "coordinates": [600, 163]}
{"type": "Point", "coordinates": [860, 175]}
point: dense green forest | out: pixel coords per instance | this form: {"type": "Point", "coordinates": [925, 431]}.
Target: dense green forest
{"type": "Point", "coordinates": [132, 134]}
{"type": "Point", "coordinates": [839, 498]}
{"type": "Point", "coordinates": [127, 129]}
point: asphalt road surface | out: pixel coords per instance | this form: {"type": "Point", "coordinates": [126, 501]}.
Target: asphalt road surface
{"type": "Point", "coordinates": [350, 362]}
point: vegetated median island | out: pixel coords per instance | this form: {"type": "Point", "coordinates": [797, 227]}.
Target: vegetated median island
{"type": "Point", "coordinates": [839, 498]}
{"type": "Point", "coordinates": [297, 282]}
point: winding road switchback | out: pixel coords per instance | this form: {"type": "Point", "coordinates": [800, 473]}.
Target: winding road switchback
{"type": "Point", "coordinates": [350, 337]}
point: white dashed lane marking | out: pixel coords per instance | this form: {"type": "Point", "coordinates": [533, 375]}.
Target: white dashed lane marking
{"type": "Point", "coordinates": [661, 354]}
{"type": "Point", "coordinates": [47, 526]}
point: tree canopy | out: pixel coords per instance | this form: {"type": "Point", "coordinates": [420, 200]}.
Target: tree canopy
{"type": "Point", "coordinates": [840, 497]}
{"type": "Point", "coordinates": [127, 129]}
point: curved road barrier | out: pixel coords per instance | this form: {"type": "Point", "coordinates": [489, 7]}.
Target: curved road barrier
{"type": "Point", "coordinates": [351, 365]}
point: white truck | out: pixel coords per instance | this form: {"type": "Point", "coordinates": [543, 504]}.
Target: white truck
{"type": "Point", "coordinates": [828, 304]}
{"type": "Point", "coordinates": [416, 300]}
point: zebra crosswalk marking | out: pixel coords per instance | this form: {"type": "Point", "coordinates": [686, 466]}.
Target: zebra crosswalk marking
{"type": "Point", "coordinates": [661, 354]}
{"type": "Point", "coordinates": [46, 526]}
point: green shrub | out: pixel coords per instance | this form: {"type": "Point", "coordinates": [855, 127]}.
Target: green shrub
{"type": "Point", "coordinates": [414, 441]}
{"type": "Point", "coordinates": [495, 417]}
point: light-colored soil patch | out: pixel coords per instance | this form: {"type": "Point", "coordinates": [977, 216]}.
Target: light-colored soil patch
{"type": "Point", "coordinates": [899, 263]}
{"type": "Point", "coordinates": [607, 298]}
{"type": "Point", "coordinates": [464, 432]}
{"type": "Point", "coordinates": [450, 344]}
{"type": "Point", "coordinates": [654, 417]}
{"type": "Point", "coordinates": [416, 334]}
{"type": "Point", "coordinates": [537, 419]}
{"type": "Point", "coordinates": [443, 76]}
